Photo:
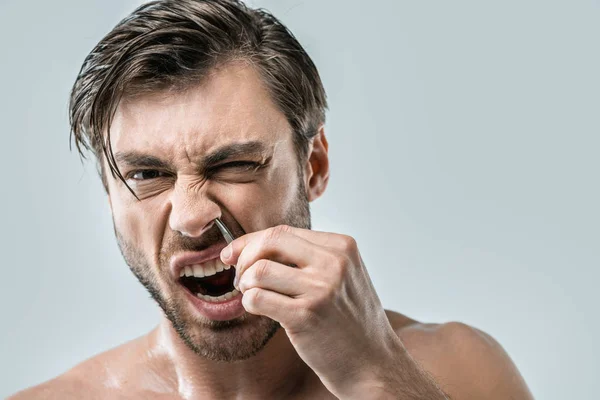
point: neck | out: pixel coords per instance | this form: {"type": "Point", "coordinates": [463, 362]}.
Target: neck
{"type": "Point", "coordinates": [275, 372]}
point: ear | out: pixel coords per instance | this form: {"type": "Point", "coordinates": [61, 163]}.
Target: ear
{"type": "Point", "coordinates": [316, 170]}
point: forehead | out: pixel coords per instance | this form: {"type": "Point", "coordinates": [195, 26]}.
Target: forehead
{"type": "Point", "coordinates": [230, 105]}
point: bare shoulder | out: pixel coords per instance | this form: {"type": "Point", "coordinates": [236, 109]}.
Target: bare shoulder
{"type": "Point", "coordinates": [465, 361]}
{"type": "Point", "coordinates": [94, 378]}
{"type": "Point", "coordinates": [61, 387]}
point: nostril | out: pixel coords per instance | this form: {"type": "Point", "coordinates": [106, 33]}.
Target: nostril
{"type": "Point", "coordinates": [200, 233]}
{"type": "Point", "coordinates": [209, 225]}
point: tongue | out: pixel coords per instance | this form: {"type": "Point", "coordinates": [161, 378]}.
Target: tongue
{"type": "Point", "coordinates": [217, 284]}
{"type": "Point", "coordinates": [221, 278]}
{"type": "Point", "coordinates": [214, 285]}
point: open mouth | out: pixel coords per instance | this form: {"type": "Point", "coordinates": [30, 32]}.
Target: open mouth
{"type": "Point", "coordinates": [211, 281]}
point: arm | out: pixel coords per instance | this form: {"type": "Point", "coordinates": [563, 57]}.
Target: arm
{"type": "Point", "coordinates": [405, 379]}
{"type": "Point", "coordinates": [465, 362]}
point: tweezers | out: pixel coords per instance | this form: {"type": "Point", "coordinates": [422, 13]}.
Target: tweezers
{"type": "Point", "coordinates": [224, 231]}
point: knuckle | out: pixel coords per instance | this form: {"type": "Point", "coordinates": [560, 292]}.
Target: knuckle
{"type": "Point", "coordinates": [276, 232]}
{"type": "Point", "coordinates": [240, 265]}
{"type": "Point", "coordinates": [261, 270]}
{"type": "Point", "coordinates": [251, 298]}
{"type": "Point", "coordinates": [339, 264]}
{"type": "Point", "coordinates": [349, 243]}
{"type": "Point", "coordinates": [320, 285]}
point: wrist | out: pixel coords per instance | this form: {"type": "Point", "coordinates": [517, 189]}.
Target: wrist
{"type": "Point", "coordinates": [375, 379]}
{"type": "Point", "coordinates": [395, 376]}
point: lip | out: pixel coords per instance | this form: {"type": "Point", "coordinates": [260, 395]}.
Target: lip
{"type": "Point", "coordinates": [182, 260]}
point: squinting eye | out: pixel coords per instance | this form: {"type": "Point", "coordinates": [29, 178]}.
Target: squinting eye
{"type": "Point", "coordinates": [238, 164]}
{"type": "Point", "coordinates": [146, 175]}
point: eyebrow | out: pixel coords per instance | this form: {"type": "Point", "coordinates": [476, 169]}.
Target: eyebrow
{"type": "Point", "coordinates": [135, 159]}
{"type": "Point", "coordinates": [140, 160]}
{"type": "Point", "coordinates": [254, 148]}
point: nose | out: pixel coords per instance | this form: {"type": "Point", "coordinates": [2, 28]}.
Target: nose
{"type": "Point", "coordinates": [192, 211]}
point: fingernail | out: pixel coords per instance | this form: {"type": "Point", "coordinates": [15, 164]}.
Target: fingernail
{"type": "Point", "coordinates": [235, 280]}
{"type": "Point", "coordinates": [226, 252]}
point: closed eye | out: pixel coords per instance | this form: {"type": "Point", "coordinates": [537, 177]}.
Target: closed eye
{"type": "Point", "coordinates": [238, 164]}
{"type": "Point", "coordinates": [238, 171]}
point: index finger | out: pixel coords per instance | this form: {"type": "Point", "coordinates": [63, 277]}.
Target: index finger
{"type": "Point", "coordinates": [323, 239]}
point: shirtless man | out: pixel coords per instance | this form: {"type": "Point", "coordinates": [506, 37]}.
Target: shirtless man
{"type": "Point", "coordinates": [198, 110]}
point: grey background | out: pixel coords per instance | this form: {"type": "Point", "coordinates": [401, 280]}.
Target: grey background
{"type": "Point", "coordinates": [464, 151]}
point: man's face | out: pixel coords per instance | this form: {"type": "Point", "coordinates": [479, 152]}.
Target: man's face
{"type": "Point", "coordinates": [169, 147]}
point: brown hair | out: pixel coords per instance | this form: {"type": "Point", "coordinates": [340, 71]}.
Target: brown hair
{"type": "Point", "coordinates": [172, 44]}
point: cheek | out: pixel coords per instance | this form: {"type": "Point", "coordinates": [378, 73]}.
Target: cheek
{"type": "Point", "coordinates": [128, 225]}
{"type": "Point", "coordinates": [139, 224]}
{"type": "Point", "coordinates": [261, 205]}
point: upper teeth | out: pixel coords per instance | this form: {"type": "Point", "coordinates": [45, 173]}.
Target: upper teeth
{"type": "Point", "coordinates": [208, 268]}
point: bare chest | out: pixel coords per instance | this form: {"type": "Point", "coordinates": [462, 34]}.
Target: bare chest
{"type": "Point", "coordinates": [314, 392]}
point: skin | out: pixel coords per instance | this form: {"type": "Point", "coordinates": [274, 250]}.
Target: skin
{"type": "Point", "coordinates": [331, 339]}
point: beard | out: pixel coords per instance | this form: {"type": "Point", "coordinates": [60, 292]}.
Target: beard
{"type": "Point", "coordinates": [228, 341]}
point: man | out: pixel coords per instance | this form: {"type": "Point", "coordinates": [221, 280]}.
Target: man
{"type": "Point", "coordinates": [204, 110]}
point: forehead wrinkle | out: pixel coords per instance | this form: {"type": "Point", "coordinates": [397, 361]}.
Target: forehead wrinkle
{"type": "Point", "coordinates": [232, 105]}
{"type": "Point", "coordinates": [222, 153]}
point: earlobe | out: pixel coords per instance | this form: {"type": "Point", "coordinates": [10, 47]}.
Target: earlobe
{"type": "Point", "coordinates": [318, 166]}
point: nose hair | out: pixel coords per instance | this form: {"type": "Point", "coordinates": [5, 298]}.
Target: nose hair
{"type": "Point", "coordinates": [192, 212]}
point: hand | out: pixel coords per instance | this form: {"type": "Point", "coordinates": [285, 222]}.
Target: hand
{"type": "Point", "coordinates": [326, 303]}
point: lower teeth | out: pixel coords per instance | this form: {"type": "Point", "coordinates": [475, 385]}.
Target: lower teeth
{"type": "Point", "coordinates": [217, 299]}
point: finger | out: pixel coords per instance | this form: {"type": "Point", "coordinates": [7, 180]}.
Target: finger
{"type": "Point", "coordinates": [325, 239]}
{"type": "Point", "coordinates": [275, 244]}
{"type": "Point", "coordinates": [279, 278]}
{"type": "Point", "coordinates": [281, 308]}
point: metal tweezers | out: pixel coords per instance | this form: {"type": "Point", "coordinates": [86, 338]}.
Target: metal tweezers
{"type": "Point", "coordinates": [224, 231]}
